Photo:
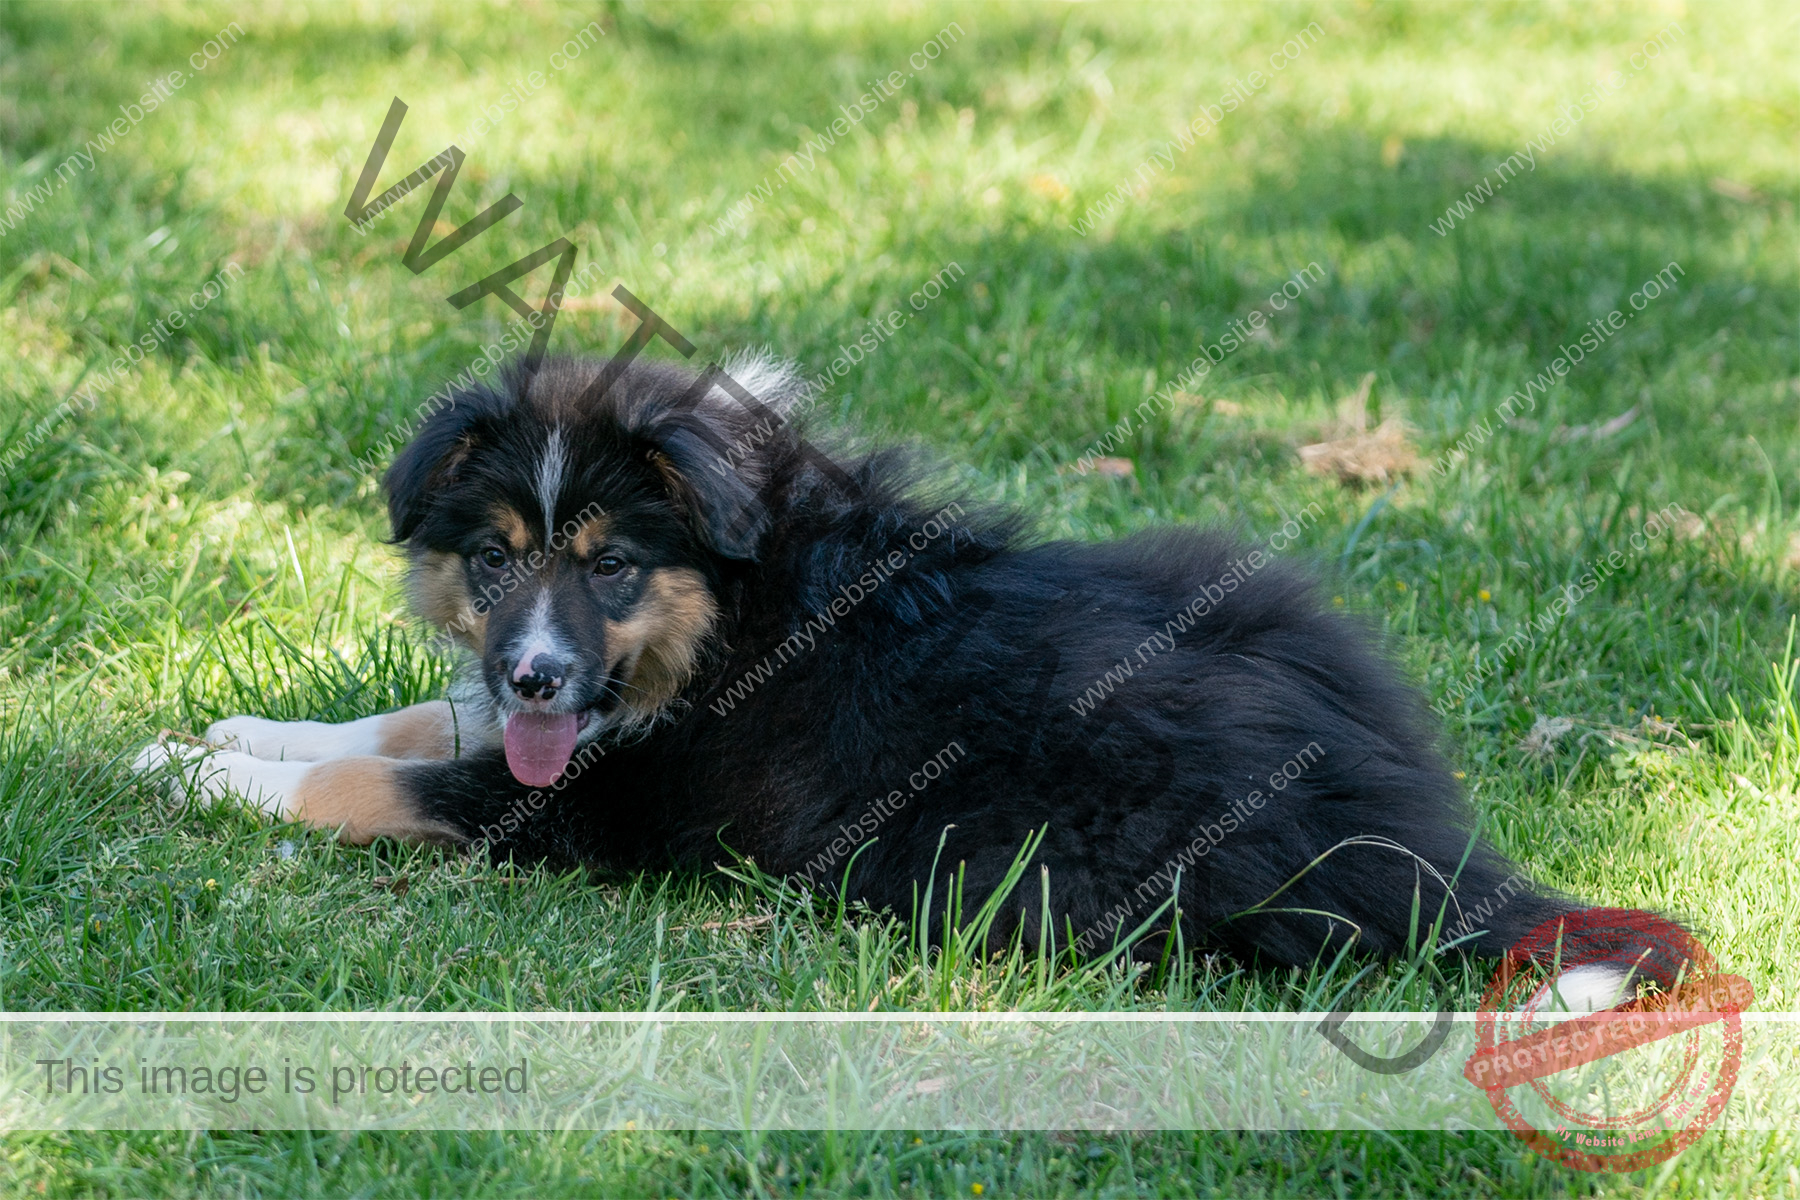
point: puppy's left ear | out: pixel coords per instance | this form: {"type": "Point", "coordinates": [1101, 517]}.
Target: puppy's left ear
{"type": "Point", "coordinates": [718, 450]}
{"type": "Point", "coordinates": [719, 495]}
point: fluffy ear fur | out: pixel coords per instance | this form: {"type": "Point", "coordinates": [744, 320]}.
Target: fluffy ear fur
{"type": "Point", "coordinates": [717, 452]}
{"type": "Point", "coordinates": [718, 491]}
{"type": "Point", "coordinates": [430, 461]}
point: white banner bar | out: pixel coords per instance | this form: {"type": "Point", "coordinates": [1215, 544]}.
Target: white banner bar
{"type": "Point", "coordinates": [812, 1071]}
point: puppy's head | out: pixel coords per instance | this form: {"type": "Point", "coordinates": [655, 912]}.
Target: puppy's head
{"type": "Point", "coordinates": [576, 544]}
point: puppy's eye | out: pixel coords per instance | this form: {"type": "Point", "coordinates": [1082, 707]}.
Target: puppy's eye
{"type": "Point", "coordinates": [494, 557]}
{"type": "Point", "coordinates": [609, 564]}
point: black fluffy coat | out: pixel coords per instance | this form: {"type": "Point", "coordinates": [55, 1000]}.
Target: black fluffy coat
{"type": "Point", "coordinates": [987, 642]}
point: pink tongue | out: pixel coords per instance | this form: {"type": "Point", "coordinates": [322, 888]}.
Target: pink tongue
{"type": "Point", "coordinates": [538, 746]}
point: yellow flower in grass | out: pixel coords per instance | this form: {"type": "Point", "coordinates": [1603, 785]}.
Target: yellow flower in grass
{"type": "Point", "coordinates": [1484, 595]}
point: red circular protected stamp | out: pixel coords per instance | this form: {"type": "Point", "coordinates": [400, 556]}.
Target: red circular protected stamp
{"type": "Point", "coordinates": [1620, 1089]}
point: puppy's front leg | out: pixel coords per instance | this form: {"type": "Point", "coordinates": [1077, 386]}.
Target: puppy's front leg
{"type": "Point", "coordinates": [428, 730]}
{"type": "Point", "coordinates": [363, 798]}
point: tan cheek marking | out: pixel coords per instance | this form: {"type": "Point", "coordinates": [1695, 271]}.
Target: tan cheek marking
{"type": "Point", "coordinates": [591, 537]}
{"type": "Point", "coordinates": [363, 799]}
{"type": "Point", "coordinates": [672, 622]}
{"type": "Point", "coordinates": [422, 731]}
{"type": "Point", "coordinates": [440, 593]}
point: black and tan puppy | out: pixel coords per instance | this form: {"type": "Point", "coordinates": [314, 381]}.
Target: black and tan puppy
{"type": "Point", "coordinates": [689, 628]}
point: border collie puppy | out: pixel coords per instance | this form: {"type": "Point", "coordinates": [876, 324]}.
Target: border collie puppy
{"type": "Point", "coordinates": [689, 632]}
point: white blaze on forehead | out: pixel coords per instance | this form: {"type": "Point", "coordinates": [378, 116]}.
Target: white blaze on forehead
{"type": "Point", "coordinates": [551, 467]}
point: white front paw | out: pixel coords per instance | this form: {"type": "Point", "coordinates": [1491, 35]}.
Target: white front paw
{"type": "Point", "coordinates": [290, 741]}
{"type": "Point", "coordinates": [212, 775]}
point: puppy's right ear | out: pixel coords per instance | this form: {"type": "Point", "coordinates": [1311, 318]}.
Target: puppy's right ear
{"type": "Point", "coordinates": [430, 463]}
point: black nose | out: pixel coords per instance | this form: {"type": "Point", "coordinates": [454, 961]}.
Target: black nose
{"type": "Point", "coordinates": [541, 681]}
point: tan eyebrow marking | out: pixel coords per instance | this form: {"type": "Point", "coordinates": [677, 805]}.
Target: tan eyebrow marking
{"type": "Point", "coordinates": [512, 527]}
{"type": "Point", "coordinates": [591, 536]}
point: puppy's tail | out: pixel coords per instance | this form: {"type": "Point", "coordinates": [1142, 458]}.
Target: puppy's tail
{"type": "Point", "coordinates": [1571, 957]}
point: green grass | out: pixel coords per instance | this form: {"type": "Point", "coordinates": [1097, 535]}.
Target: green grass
{"type": "Point", "coordinates": [204, 542]}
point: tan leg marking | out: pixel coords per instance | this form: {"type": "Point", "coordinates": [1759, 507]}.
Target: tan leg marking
{"type": "Point", "coordinates": [422, 731]}
{"type": "Point", "coordinates": [362, 798]}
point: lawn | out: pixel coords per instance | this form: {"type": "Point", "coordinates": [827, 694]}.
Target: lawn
{"type": "Point", "coordinates": [198, 533]}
